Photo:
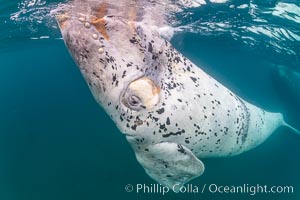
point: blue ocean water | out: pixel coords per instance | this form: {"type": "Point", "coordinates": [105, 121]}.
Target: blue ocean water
{"type": "Point", "coordinates": [57, 143]}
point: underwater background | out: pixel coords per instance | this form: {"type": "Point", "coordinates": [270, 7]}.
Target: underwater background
{"type": "Point", "coordinates": [57, 143]}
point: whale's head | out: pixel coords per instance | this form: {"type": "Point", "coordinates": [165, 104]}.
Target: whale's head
{"type": "Point", "coordinates": [122, 62]}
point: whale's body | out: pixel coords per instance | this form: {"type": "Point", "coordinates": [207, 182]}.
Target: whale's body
{"type": "Point", "coordinates": [172, 113]}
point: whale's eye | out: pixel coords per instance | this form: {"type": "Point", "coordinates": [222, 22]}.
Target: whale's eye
{"type": "Point", "coordinates": [141, 94]}
{"type": "Point", "coordinates": [133, 100]}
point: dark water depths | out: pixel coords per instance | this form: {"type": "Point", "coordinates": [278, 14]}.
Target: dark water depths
{"type": "Point", "coordinates": [57, 143]}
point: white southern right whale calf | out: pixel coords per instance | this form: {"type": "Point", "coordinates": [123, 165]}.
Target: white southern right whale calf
{"type": "Point", "coordinates": [171, 111]}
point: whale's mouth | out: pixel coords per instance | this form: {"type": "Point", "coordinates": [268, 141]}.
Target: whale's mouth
{"type": "Point", "coordinates": [129, 136]}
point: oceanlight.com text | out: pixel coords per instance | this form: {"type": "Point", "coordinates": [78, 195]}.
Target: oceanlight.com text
{"type": "Point", "coordinates": [209, 188]}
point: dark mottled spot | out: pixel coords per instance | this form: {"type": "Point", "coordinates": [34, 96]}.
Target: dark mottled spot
{"type": "Point", "coordinates": [150, 48]}
{"type": "Point", "coordinates": [133, 40]}
{"type": "Point", "coordinates": [134, 127]}
{"type": "Point", "coordinates": [124, 74]}
{"type": "Point", "coordinates": [168, 121]}
{"type": "Point", "coordinates": [172, 134]}
{"type": "Point", "coordinates": [181, 149]}
{"type": "Point", "coordinates": [194, 79]}
{"type": "Point", "coordinates": [162, 126]}
{"type": "Point", "coordinates": [160, 111]}
{"type": "Point", "coordinates": [155, 119]}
